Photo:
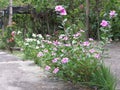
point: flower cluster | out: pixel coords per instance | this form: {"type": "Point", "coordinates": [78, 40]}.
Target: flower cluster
{"type": "Point", "coordinates": [105, 23]}
{"type": "Point", "coordinates": [11, 39]}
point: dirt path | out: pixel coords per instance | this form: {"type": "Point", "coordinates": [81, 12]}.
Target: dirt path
{"type": "Point", "coordinates": [16, 74]}
{"type": "Point", "coordinates": [113, 61]}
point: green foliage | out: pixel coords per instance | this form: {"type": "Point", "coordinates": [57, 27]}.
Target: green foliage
{"type": "Point", "coordinates": [83, 66]}
{"type": "Point", "coordinates": [98, 10]}
{"type": "Point", "coordinates": [103, 79]}
{"type": "Point", "coordinates": [7, 38]}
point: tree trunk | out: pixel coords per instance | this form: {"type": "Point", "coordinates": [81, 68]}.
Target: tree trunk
{"type": "Point", "coordinates": [87, 18]}
{"type": "Point", "coordinates": [10, 12]}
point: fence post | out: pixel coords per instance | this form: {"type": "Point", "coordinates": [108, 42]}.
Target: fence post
{"type": "Point", "coordinates": [10, 12]}
{"type": "Point", "coordinates": [87, 18]}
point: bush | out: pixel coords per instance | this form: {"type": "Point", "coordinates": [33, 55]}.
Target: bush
{"type": "Point", "coordinates": [71, 58]}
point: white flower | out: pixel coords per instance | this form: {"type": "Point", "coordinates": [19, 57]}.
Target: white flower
{"type": "Point", "coordinates": [34, 35]}
{"type": "Point", "coordinates": [19, 32]}
{"type": "Point", "coordinates": [28, 40]}
{"type": "Point", "coordinates": [40, 36]}
{"type": "Point", "coordinates": [61, 36]}
{"type": "Point", "coordinates": [37, 47]}
{"type": "Point", "coordinates": [26, 44]}
{"type": "Point", "coordinates": [38, 42]}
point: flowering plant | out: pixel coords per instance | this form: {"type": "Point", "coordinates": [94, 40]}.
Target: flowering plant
{"type": "Point", "coordinates": [106, 26]}
{"type": "Point", "coordinates": [70, 56]}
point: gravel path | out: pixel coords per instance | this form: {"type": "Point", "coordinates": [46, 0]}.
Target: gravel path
{"type": "Point", "coordinates": [16, 74]}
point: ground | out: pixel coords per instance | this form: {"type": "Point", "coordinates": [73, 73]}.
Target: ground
{"type": "Point", "coordinates": [25, 75]}
{"type": "Point", "coordinates": [16, 74]}
{"type": "Point", "coordinates": [113, 60]}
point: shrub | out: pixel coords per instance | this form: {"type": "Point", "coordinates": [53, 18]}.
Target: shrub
{"type": "Point", "coordinates": [70, 57]}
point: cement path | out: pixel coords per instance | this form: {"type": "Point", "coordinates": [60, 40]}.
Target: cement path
{"type": "Point", "coordinates": [16, 74]}
{"type": "Point", "coordinates": [113, 60]}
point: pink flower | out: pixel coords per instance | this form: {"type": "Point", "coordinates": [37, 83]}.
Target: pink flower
{"type": "Point", "coordinates": [87, 43]}
{"type": "Point", "coordinates": [64, 60]}
{"type": "Point", "coordinates": [91, 39]}
{"type": "Point", "coordinates": [53, 53]}
{"type": "Point", "coordinates": [62, 50]}
{"type": "Point", "coordinates": [49, 42]}
{"type": "Point", "coordinates": [13, 33]}
{"type": "Point", "coordinates": [67, 45]}
{"type": "Point", "coordinates": [65, 38]}
{"type": "Point", "coordinates": [56, 43]}
{"type": "Point", "coordinates": [47, 68]}
{"type": "Point", "coordinates": [77, 35]}
{"type": "Point", "coordinates": [91, 50]}
{"type": "Point", "coordinates": [63, 12]}
{"type": "Point", "coordinates": [55, 49]}
{"type": "Point", "coordinates": [104, 23]}
{"type": "Point", "coordinates": [45, 51]}
{"type": "Point", "coordinates": [56, 70]}
{"type": "Point", "coordinates": [47, 35]}
{"type": "Point", "coordinates": [40, 54]}
{"type": "Point", "coordinates": [112, 13]}
{"type": "Point", "coordinates": [61, 36]}
{"type": "Point", "coordinates": [59, 8]}
{"type": "Point", "coordinates": [82, 31]}
{"type": "Point", "coordinates": [97, 56]}
{"type": "Point", "coordinates": [55, 60]}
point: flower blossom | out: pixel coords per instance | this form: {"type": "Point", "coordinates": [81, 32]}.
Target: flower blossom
{"type": "Point", "coordinates": [34, 35]}
{"type": "Point", "coordinates": [91, 50]}
{"type": "Point", "coordinates": [26, 44]}
{"type": "Point", "coordinates": [82, 31]}
{"type": "Point", "coordinates": [67, 45]}
{"type": "Point", "coordinates": [40, 54]}
{"type": "Point", "coordinates": [47, 68]}
{"type": "Point", "coordinates": [45, 51]}
{"type": "Point", "coordinates": [56, 43]}
{"type": "Point", "coordinates": [104, 23]}
{"type": "Point", "coordinates": [65, 60]}
{"type": "Point", "coordinates": [13, 33]}
{"type": "Point", "coordinates": [19, 32]}
{"type": "Point", "coordinates": [91, 39]}
{"type": "Point", "coordinates": [55, 49]}
{"type": "Point", "coordinates": [36, 47]}
{"type": "Point", "coordinates": [53, 53]}
{"type": "Point", "coordinates": [86, 43]}
{"type": "Point", "coordinates": [61, 10]}
{"type": "Point", "coordinates": [56, 70]}
{"type": "Point", "coordinates": [65, 38]}
{"type": "Point", "coordinates": [97, 56]}
{"type": "Point", "coordinates": [77, 35]}
{"type": "Point", "coordinates": [55, 60]}
{"type": "Point", "coordinates": [112, 13]}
